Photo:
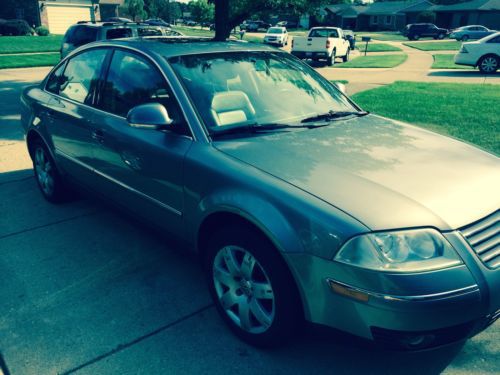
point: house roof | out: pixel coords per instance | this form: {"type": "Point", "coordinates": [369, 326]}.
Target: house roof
{"type": "Point", "coordinates": [345, 9]}
{"type": "Point", "coordinates": [469, 5]}
{"type": "Point", "coordinates": [393, 7]}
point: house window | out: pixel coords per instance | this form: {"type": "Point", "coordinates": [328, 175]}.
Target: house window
{"type": "Point", "coordinates": [19, 13]}
{"type": "Point", "coordinates": [388, 20]}
{"type": "Point", "coordinates": [374, 20]}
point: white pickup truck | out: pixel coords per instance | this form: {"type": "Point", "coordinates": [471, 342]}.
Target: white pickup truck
{"type": "Point", "coordinates": [324, 43]}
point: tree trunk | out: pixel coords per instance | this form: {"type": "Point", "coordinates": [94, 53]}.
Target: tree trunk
{"type": "Point", "coordinates": [222, 28]}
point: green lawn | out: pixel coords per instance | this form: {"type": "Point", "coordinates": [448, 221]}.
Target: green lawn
{"type": "Point", "coordinates": [445, 61]}
{"type": "Point", "coordinates": [377, 61]}
{"type": "Point", "coordinates": [465, 111]}
{"type": "Point", "coordinates": [191, 31]}
{"type": "Point", "coordinates": [23, 61]}
{"type": "Point", "coordinates": [435, 46]}
{"type": "Point", "coordinates": [253, 38]}
{"type": "Point", "coordinates": [384, 36]}
{"type": "Point", "coordinates": [20, 44]}
{"type": "Point", "coordinates": [343, 81]}
{"type": "Point", "coordinates": [377, 47]}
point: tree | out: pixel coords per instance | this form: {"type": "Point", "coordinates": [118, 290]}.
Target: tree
{"type": "Point", "coordinates": [201, 11]}
{"type": "Point", "coordinates": [230, 13]}
{"type": "Point", "coordinates": [136, 9]}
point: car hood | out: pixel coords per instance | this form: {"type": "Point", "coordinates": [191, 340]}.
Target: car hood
{"type": "Point", "coordinates": [385, 173]}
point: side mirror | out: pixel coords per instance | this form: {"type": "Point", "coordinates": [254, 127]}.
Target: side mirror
{"type": "Point", "coordinates": [340, 86]}
{"type": "Point", "coordinates": [152, 116]}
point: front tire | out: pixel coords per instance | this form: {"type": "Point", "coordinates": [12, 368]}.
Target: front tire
{"type": "Point", "coordinates": [441, 36]}
{"type": "Point", "coordinates": [488, 64]}
{"type": "Point", "coordinates": [416, 37]}
{"type": "Point", "coordinates": [252, 287]}
{"type": "Point", "coordinates": [47, 176]}
{"type": "Point", "coordinates": [345, 58]}
{"type": "Point", "coordinates": [465, 38]}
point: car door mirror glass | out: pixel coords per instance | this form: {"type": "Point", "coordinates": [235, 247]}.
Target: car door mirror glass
{"type": "Point", "coordinates": [152, 116]}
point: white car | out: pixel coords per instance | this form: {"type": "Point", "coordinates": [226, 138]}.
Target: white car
{"type": "Point", "coordinates": [484, 54]}
{"type": "Point", "coordinates": [276, 35]}
{"type": "Point", "coordinates": [325, 43]}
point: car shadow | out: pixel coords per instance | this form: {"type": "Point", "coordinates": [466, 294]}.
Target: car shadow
{"type": "Point", "coordinates": [460, 74]}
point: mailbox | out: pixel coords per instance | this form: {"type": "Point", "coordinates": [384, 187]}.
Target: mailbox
{"type": "Point", "coordinates": [365, 38]}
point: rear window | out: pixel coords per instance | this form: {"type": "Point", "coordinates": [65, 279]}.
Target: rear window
{"type": "Point", "coordinates": [81, 35]}
{"type": "Point", "coordinates": [122, 32]}
{"type": "Point", "coordinates": [149, 31]}
{"type": "Point", "coordinates": [324, 33]}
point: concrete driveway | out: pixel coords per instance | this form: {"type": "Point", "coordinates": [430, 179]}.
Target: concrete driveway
{"type": "Point", "coordinates": [86, 289]}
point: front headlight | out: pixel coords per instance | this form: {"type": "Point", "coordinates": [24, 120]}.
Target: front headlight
{"type": "Point", "coordinates": [415, 250]}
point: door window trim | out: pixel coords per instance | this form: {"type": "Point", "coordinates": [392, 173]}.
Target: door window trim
{"type": "Point", "coordinates": [106, 64]}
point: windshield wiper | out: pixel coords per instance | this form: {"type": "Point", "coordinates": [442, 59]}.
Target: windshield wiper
{"type": "Point", "coordinates": [256, 128]}
{"type": "Point", "coordinates": [331, 115]}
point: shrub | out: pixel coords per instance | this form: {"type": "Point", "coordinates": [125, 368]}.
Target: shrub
{"type": "Point", "coordinates": [15, 27]}
{"type": "Point", "coordinates": [42, 31]}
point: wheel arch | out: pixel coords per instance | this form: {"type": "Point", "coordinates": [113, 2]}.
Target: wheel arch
{"type": "Point", "coordinates": [31, 137]}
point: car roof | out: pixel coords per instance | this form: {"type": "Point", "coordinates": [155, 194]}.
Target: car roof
{"type": "Point", "coordinates": [169, 46]}
{"type": "Point", "coordinates": [110, 24]}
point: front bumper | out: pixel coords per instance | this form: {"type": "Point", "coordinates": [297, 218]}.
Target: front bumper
{"type": "Point", "coordinates": [465, 59]}
{"type": "Point", "coordinates": [410, 311]}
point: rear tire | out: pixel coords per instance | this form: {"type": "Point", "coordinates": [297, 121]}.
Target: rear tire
{"type": "Point", "coordinates": [253, 289]}
{"type": "Point", "coordinates": [330, 60]}
{"type": "Point", "coordinates": [416, 37]}
{"type": "Point", "coordinates": [48, 178]}
{"type": "Point", "coordinates": [441, 36]}
{"type": "Point", "coordinates": [488, 64]}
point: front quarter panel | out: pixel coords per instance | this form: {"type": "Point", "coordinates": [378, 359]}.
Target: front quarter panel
{"type": "Point", "coordinates": [294, 220]}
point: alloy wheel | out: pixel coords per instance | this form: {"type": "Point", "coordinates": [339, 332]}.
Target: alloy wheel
{"type": "Point", "coordinates": [243, 289]}
{"type": "Point", "coordinates": [44, 171]}
{"type": "Point", "coordinates": [489, 64]}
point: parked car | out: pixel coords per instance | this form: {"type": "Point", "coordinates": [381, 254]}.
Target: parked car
{"type": "Point", "coordinates": [416, 31]}
{"type": "Point", "coordinates": [483, 54]}
{"type": "Point", "coordinates": [255, 26]}
{"type": "Point", "coordinates": [349, 34]}
{"type": "Point", "coordinates": [276, 35]}
{"type": "Point", "coordinates": [87, 32]}
{"type": "Point", "coordinates": [15, 27]}
{"type": "Point", "coordinates": [191, 23]}
{"type": "Point", "coordinates": [157, 22]}
{"type": "Point", "coordinates": [325, 43]}
{"type": "Point", "coordinates": [465, 33]}
{"type": "Point", "coordinates": [288, 24]}
{"type": "Point", "coordinates": [314, 210]}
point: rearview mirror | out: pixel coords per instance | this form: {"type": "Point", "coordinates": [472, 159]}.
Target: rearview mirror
{"type": "Point", "coordinates": [340, 86]}
{"type": "Point", "coordinates": [152, 116]}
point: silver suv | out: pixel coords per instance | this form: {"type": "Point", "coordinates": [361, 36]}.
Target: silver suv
{"type": "Point", "coordinates": [86, 32]}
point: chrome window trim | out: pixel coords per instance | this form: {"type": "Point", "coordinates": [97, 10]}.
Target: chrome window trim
{"type": "Point", "coordinates": [415, 298]}
{"type": "Point", "coordinates": [151, 199]}
{"type": "Point", "coordinates": [192, 136]}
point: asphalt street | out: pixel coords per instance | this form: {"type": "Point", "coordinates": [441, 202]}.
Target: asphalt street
{"type": "Point", "coordinates": [85, 289]}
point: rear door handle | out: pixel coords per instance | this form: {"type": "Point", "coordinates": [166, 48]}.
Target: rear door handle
{"type": "Point", "coordinates": [98, 135]}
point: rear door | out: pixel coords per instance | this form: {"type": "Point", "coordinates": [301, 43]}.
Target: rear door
{"type": "Point", "coordinates": [70, 110]}
{"type": "Point", "coordinates": [140, 169]}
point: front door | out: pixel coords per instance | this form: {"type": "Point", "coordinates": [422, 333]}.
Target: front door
{"type": "Point", "coordinates": [69, 111]}
{"type": "Point", "coordinates": [140, 169]}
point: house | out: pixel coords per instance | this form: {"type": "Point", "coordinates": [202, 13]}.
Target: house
{"type": "Point", "coordinates": [476, 12]}
{"type": "Point", "coordinates": [343, 15]}
{"type": "Point", "coordinates": [391, 15]}
{"type": "Point", "coordinates": [59, 15]}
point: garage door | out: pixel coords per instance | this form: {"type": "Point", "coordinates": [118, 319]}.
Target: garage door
{"type": "Point", "coordinates": [62, 17]}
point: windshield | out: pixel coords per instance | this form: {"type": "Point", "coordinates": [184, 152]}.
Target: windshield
{"type": "Point", "coordinates": [242, 88]}
{"type": "Point", "coordinates": [275, 30]}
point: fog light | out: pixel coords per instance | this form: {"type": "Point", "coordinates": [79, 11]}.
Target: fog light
{"type": "Point", "coordinates": [347, 291]}
{"type": "Point", "coordinates": [417, 341]}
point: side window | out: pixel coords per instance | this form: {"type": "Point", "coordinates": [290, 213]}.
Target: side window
{"type": "Point", "coordinates": [149, 31]}
{"type": "Point", "coordinates": [81, 76]}
{"type": "Point", "coordinates": [55, 80]}
{"type": "Point", "coordinates": [494, 40]}
{"type": "Point", "coordinates": [132, 81]}
{"type": "Point", "coordinates": [121, 32]}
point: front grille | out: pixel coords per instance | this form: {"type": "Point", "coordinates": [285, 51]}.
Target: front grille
{"type": "Point", "coordinates": [484, 237]}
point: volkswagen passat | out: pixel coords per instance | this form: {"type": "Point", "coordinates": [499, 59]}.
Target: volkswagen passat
{"type": "Point", "coordinates": [302, 206]}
